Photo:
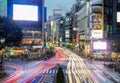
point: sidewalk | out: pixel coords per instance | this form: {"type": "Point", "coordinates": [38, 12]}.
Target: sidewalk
{"type": "Point", "coordinates": [115, 76]}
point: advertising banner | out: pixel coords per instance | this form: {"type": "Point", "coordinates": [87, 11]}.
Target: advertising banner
{"type": "Point", "coordinates": [97, 26]}
{"type": "Point", "coordinates": [97, 9]}
{"type": "Point", "coordinates": [67, 33]}
{"type": "Point", "coordinates": [29, 14]}
{"type": "Point", "coordinates": [96, 2]}
{"type": "Point", "coordinates": [97, 34]}
{"type": "Point", "coordinates": [97, 19]}
{"type": "Point", "coordinates": [99, 45]}
{"type": "Point", "coordinates": [118, 16]}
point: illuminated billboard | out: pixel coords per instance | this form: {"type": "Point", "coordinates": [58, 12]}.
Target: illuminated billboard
{"type": "Point", "coordinates": [67, 33]}
{"type": "Point", "coordinates": [118, 16]}
{"type": "Point", "coordinates": [96, 34]}
{"type": "Point", "coordinates": [29, 14]}
{"type": "Point", "coordinates": [96, 2]}
{"type": "Point", "coordinates": [97, 9]}
{"type": "Point", "coordinates": [25, 12]}
{"type": "Point", "coordinates": [99, 45]}
{"type": "Point", "coordinates": [97, 26]}
{"type": "Point", "coordinates": [97, 19]}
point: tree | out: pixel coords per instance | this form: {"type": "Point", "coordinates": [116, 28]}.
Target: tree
{"type": "Point", "coordinates": [60, 76]}
{"type": "Point", "coordinates": [10, 31]}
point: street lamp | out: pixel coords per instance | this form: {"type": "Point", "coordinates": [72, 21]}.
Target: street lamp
{"type": "Point", "coordinates": [2, 41]}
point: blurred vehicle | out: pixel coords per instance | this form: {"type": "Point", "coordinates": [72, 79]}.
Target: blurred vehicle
{"type": "Point", "coordinates": [1, 52]}
{"type": "Point", "coordinates": [117, 65]}
{"type": "Point", "coordinates": [14, 51]}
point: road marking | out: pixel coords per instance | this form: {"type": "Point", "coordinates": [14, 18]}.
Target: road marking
{"type": "Point", "coordinates": [47, 71]}
{"type": "Point", "coordinates": [10, 71]}
{"type": "Point", "coordinates": [56, 71]}
{"type": "Point", "coordinates": [66, 71]}
{"type": "Point", "coordinates": [48, 79]}
{"type": "Point", "coordinates": [96, 72]}
{"type": "Point", "coordinates": [50, 71]}
{"type": "Point", "coordinates": [53, 71]}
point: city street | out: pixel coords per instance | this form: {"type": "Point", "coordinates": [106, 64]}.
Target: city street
{"type": "Point", "coordinates": [34, 71]}
{"type": "Point", "coordinates": [75, 68]}
{"type": "Point", "coordinates": [59, 41]}
{"type": "Point", "coordinates": [80, 71]}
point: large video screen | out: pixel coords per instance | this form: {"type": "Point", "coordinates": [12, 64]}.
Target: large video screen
{"type": "Point", "coordinates": [99, 45]}
{"type": "Point", "coordinates": [25, 12]}
{"type": "Point", "coordinates": [118, 16]}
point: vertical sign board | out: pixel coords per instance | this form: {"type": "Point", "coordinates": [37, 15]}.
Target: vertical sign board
{"type": "Point", "coordinates": [77, 36]}
{"type": "Point", "coordinates": [67, 33]}
{"type": "Point", "coordinates": [97, 19]}
{"type": "Point", "coordinates": [118, 17]}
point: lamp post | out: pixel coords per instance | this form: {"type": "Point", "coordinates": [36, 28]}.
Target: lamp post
{"type": "Point", "coordinates": [2, 41]}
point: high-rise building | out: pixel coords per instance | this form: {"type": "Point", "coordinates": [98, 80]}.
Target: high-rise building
{"type": "Point", "coordinates": [99, 26]}
{"type": "Point", "coordinates": [3, 8]}
{"type": "Point", "coordinates": [57, 13]}
{"type": "Point", "coordinates": [21, 11]}
{"type": "Point", "coordinates": [112, 24]}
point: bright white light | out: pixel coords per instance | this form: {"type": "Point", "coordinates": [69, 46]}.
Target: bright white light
{"type": "Point", "coordinates": [99, 45]}
{"type": "Point", "coordinates": [118, 16]}
{"type": "Point", "coordinates": [25, 12]}
{"type": "Point", "coordinates": [67, 35]}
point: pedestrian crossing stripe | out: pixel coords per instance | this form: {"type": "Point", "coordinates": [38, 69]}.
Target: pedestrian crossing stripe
{"type": "Point", "coordinates": [10, 71]}
{"type": "Point", "coordinates": [54, 71]}
{"type": "Point", "coordinates": [50, 71]}
{"type": "Point", "coordinates": [47, 71]}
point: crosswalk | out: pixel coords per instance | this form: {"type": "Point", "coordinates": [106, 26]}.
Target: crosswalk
{"type": "Point", "coordinates": [66, 71]}
{"type": "Point", "coordinates": [49, 79]}
{"type": "Point", "coordinates": [10, 71]}
{"type": "Point", "coordinates": [53, 71]}
{"type": "Point", "coordinates": [54, 62]}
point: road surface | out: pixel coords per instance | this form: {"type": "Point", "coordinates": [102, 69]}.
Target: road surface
{"type": "Point", "coordinates": [75, 68]}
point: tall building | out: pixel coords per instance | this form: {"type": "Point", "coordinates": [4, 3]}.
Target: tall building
{"type": "Point", "coordinates": [57, 13]}
{"type": "Point", "coordinates": [111, 16]}
{"type": "Point", "coordinates": [99, 26]}
{"type": "Point", "coordinates": [68, 29]}
{"type": "Point", "coordinates": [21, 11]}
{"type": "Point", "coordinates": [112, 24]}
{"type": "Point", "coordinates": [3, 8]}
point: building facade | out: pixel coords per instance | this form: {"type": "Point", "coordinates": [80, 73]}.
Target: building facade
{"type": "Point", "coordinates": [3, 8]}
{"type": "Point", "coordinates": [32, 25]}
{"type": "Point", "coordinates": [97, 22]}
{"type": "Point", "coordinates": [57, 15]}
